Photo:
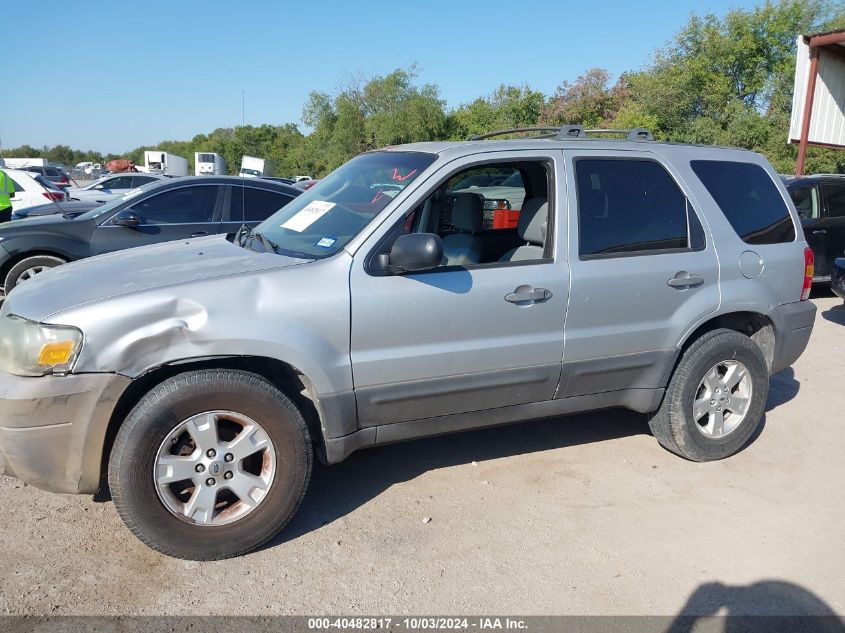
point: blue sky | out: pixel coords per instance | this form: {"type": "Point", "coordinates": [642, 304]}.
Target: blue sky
{"type": "Point", "coordinates": [110, 77]}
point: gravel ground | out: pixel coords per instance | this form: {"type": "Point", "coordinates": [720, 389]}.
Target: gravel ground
{"type": "Point", "coordinates": [579, 515]}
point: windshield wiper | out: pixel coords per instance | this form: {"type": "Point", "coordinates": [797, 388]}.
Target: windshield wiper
{"type": "Point", "coordinates": [243, 234]}
{"type": "Point", "coordinates": [268, 245]}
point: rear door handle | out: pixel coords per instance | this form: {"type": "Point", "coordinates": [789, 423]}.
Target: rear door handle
{"type": "Point", "coordinates": [526, 295]}
{"type": "Point", "coordinates": [199, 233]}
{"type": "Point", "coordinates": [820, 232]}
{"type": "Point", "coordinates": [683, 280]}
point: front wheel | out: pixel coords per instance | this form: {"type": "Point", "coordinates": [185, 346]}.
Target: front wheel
{"type": "Point", "coordinates": [715, 399]}
{"type": "Point", "coordinates": [210, 464]}
{"type": "Point", "coordinates": [28, 268]}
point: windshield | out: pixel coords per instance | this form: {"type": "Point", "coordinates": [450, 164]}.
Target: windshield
{"type": "Point", "coordinates": [322, 220]}
{"type": "Point", "coordinates": [116, 202]}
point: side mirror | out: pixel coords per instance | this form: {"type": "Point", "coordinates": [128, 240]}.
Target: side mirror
{"type": "Point", "coordinates": [127, 218]}
{"type": "Point", "coordinates": [98, 187]}
{"type": "Point", "coordinates": [414, 252]}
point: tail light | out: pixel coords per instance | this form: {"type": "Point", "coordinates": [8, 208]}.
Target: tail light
{"type": "Point", "coordinates": [55, 196]}
{"type": "Point", "coordinates": [809, 271]}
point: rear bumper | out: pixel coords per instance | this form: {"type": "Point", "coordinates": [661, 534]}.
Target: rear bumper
{"type": "Point", "coordinates": [837, 279]}
{"type": "Point", "coordinates": [793, 325]}
{"type": "Point", "coordinates": [52, 428]}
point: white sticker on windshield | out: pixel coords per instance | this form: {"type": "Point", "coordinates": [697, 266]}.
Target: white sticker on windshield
{"type": "Point", "coordinates": [307, 216]}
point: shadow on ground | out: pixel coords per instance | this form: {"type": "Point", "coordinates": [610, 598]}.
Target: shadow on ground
{"type": "Point", "coordinates": [783, 387]}
{"type": "Point", "coordinates": [337, 490]}
{"type": "Point", "coordinates": [836, 314]}
{"type": "Point", "coordinates": [768, 605]}
{"type": "Point", "coordinates": [341, 488]}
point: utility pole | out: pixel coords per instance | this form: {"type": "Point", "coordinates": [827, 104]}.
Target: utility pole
{"type": "Point", "coordinates": [243, 108]}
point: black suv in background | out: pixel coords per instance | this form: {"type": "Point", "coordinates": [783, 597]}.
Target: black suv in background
{"type": "Point", "coordinates": [160, 211]}
{"type": "Point", "coordinates": [820, 200]}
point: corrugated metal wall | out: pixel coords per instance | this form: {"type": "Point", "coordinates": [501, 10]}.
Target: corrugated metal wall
{"type": "Point", "coordinates": [827, 124]}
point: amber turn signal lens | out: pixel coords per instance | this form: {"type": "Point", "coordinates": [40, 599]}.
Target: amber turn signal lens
{"type": "Point", "coordinates": [55, 353]}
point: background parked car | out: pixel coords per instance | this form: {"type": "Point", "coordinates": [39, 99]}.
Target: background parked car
{"type": "Point", "coordinates": [305, 185]}
{"type": "Point", "coordinates": [31, 190]}
{"type": "Point", "coordinates": [111, 187]}
{"type": "Point", "coordinates": [820, 200]}
{"type": "Point", "coordinates": [70, 208]}
{"type": "Point", "coordinates": [56, 175]}
{"type": "Point", "coordinates": [160, 211]}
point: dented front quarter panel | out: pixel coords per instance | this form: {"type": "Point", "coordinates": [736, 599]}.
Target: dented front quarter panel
{"type": "Point", "coordinates": [298, 314]}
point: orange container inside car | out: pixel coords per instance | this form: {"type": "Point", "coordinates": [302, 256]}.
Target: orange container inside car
{"type": "Point", "coordinates": [505, 218]}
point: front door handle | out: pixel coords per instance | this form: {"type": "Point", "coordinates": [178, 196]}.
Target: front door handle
{"type": "Point", "coordinates": [820, 232]}
{"type": "Point", "coordinates": [683, 280]}
{"type": "Point", "coordinates": [526, 295]}
{"type": "Point", "coordinates": [199, 233]}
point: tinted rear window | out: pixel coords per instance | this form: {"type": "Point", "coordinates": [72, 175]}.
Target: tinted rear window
{"type": "Point", "coordinates": [630, 206]}
{"type": "Point", "coordinates": [749, 199]}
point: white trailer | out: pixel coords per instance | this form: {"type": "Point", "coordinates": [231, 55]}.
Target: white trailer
{"type": "Point", "coordinates": [252, 167]}
{"type": "Point", "coordinates": [22, 163]}
{"type": "Point", "coordinates": [158, 162]}
{"type": "Point", "coordinates": [209, 164]}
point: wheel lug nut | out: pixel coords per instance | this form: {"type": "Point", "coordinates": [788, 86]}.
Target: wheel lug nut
{"type": "Point", "coordinates": [228, 475]}
{"type": "Point", "coordinates": [712, 402]}
{"type": "Point", "coordinates": [229, 457]}
{"type": "Point", "coordinates": [718, 408]}
{"type": "Point", "coordinates": [211, 453]}
{"type": "Point", "coordinates": [200, 468]}
{"type": "Point", "coordinates": [210, 481]}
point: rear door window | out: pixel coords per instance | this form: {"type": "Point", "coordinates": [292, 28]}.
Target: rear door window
{"type": "Point", "coordinates": [631, 206]}
{"type": "Point", "coordinates": [806, 200]}
{"type": "Point", "coordinates": [749, 199]}
{"type": "Point", "coordinates": [255, 205]}
{"type": "Point", "coordinates": [121, 182]}
{"type": "Point", "coordinates": [835, 200]}
{"type": "Point", "coordinates": [137, 181]}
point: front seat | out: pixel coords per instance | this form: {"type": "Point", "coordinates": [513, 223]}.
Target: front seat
{"type": "Point", "coordinates": [460, 249]}
{"type": "Point", "coordinates": [532, 225]}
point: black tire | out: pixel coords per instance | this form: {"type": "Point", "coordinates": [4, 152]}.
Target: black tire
{"type": "Point", "coordinates": [673, 425]}
{"type": "Point", "coordinates": [47, 261]}
{"type": "Point", "coordinates": [159, 412]}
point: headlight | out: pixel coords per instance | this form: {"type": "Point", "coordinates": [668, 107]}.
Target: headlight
{"type": "Point", "coordinates": [31, 349]}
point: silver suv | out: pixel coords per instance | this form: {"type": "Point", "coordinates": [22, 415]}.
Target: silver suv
{"type": "Point", "coordinates": [394, 301]}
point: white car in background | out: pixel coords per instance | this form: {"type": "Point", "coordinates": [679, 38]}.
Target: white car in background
{"type": "Point", "coordinates": [32, 189]}
{"type": "Point", "coordinates": [110, 187]}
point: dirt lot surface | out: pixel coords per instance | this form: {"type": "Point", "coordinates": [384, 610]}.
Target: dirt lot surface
{"type": "Point", "coordinates": [579, 515]}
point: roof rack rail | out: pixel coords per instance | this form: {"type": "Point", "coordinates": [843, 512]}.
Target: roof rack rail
{"type": "Point", "coordinates": [549, 132]}
{"type": "Point", "coordinates": [634, 134]}
{"type": "Point", "coordinates": [566, 132]}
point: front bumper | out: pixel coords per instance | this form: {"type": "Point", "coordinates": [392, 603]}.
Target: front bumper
{"type": "Point", "coordinates": [793, 325]}
{"type": "Point", "coordinates": [52, 428]}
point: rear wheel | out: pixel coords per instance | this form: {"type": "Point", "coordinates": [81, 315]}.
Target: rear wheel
{"type": "Point", "coordinates": [715, 399]}
{"type": "Point", "coordinates": [28, 268]}
{"type": "Point", "coordinates": [210, 464]}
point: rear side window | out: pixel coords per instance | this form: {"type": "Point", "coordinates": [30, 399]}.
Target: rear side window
{"type": "Point", "coordinates": [749, 199]}
{"type": "Point", "coordinates": [255, 205]}
{"type": "Point", "coordinates": [630, 206]}
{"type": "Point", "coordinates": [806, 200]}
{"type": "Point", "coordinates": [137, 181]}
{"type": "Point", "coordinates": [835, 200]}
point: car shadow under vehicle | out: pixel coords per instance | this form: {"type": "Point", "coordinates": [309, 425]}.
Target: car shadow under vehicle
{"type": "Point", "coordinates": [339, 489]}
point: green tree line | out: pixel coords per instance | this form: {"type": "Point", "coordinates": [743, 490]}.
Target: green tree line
{"type": "Point", "coordinates": [720, 80]}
